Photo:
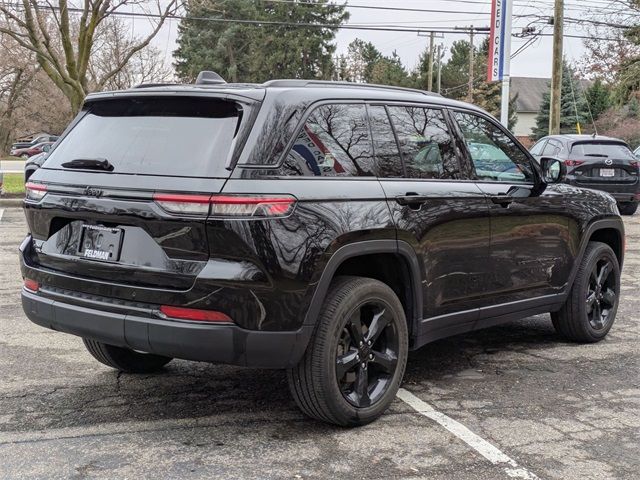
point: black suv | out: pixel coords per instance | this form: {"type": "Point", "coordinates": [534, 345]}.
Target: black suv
{"type": "Point", "coordinates": [318, 227]}
{"type": "Point", "coordinates": [597, 162]}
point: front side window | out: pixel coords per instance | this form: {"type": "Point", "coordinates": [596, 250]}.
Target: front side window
{"type": "Point", "coordinates": [334, 142]}
{"type": "Point", "coordinates": [495, 156]}
{"type": "Point", "coordinates": [425, 142]}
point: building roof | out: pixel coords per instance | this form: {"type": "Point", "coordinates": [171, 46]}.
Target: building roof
{"type": "Point", "coordinates": [529, 91]}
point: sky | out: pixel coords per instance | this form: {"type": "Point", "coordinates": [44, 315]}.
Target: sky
{"type": "Point", "coordinates": [535, 61]}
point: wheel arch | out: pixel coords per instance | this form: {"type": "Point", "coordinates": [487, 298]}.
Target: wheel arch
{"type": "Point", "coordinates": [348, 260]}
{"type": "Point", "coordinates": [609, 231]}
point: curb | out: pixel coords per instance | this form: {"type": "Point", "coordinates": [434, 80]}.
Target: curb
{"type": "Point", "coordinates": [11, 202]}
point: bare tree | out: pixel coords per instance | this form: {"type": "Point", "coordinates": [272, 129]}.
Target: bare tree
{"type": "Point", "coordinates": [112, 44]}
{"type": "Point", "coordinates": [16, 72]}
{"type": "Point", "coordinates": [63, 37]}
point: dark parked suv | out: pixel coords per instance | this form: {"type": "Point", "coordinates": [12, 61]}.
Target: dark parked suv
{"type": "Point", "coordinates": [318, 227]}
{"type": "Point", "coordinates": [597, 162]}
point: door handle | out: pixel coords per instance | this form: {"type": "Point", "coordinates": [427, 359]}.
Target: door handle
{"type": "Point", "coordinates": [411, 199]}
{"type": "Point", "coordinates": [502, 200]}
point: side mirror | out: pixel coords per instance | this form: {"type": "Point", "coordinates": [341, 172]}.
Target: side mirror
{"type": "Point", "coordinates": [553, 170]}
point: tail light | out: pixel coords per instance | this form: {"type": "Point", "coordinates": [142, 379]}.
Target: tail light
{"type": "Point", "coordinates": [35, 191]}
{"type": "Point", "coordinates": [252, 206]}
{"type": "Point", "coordinates": [573, 163]}
{"type": "Point", "coordinates": [31, 285]}
{"type": "Point", "coordinates": [194, 314]}
{"type": "Point", "coordinates": [185, 204]}
{"type": "Point", "coordinates": [227, 206]}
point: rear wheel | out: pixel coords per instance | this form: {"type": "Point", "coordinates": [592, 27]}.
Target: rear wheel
{"type": "Point", "coordinates": [589, 312]}
{"type": "Point", "coordinates": [124, 359]}
{"type": "Point", "coordinates": [628, 208]}
{"type": "Point", "coordinates": [355, 360]}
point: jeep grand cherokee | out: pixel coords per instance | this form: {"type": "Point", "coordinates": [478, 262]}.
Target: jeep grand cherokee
{"type": "Point", "coordinates": [318, 227]}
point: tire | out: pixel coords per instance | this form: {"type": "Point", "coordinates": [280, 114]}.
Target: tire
{"type": "Point", "coordinates": [628, 208]}
{"type": "Point", "coordinates": [317, 387]}
{"type": "Point", "coordinates": [589, 312]}
{"type": "Point", "coordinates": [124, 359]}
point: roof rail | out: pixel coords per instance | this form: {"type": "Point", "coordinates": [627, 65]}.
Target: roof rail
{"type": "Point", "coordinates": [329, 83]}
{"type": "Point", "coordinates": [151, 85]}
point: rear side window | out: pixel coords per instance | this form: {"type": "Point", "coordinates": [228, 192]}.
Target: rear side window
{"type": "Point", "coordinates": [616, 151]}
{"type": "Point", "coordinates": [334, 142]}
{"type": "Point", "coordinates": [388, 161]}
{"type": "Point", "coordinates": [177, 136]}
{"type": "Point", "coordinates": [538, 147]}
{"type": "Point", "coordinates": [552, 148]}
{"type": "Point", "coordinates": [495, 156]}
{"type": "Point", "coordinates": [425, 142]}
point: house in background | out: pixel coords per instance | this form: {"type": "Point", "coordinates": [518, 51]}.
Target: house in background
{"type": "Point", "coordinates": [528, 92]}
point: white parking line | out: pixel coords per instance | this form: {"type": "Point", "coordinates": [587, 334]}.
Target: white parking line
{"type": "Point", "coordinates": [1, 213]}
{"type": "Point", "coordinates": [480, 445]}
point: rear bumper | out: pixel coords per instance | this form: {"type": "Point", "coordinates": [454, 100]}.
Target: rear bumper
{"type": "Point", "coordinates": [622, 192]}
{"type": "Point", "coordinates": [226, 343]}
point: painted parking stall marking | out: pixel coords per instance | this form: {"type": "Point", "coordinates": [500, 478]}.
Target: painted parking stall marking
{"type": "Point", "coordinates": [480, 445]}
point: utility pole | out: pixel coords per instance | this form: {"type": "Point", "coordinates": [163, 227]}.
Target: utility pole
{"type": "Point", "coordinates": [439, 82]}
{"type": "Point", "coordinates": [432, 37]}
{"type": "Point", "coordinates": [556, 76]}
{"type": "Point", "coordinates": [471, 62]}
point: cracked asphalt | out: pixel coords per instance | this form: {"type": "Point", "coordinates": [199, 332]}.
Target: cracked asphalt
{"type": "Point", "coordinates": [561, 410]}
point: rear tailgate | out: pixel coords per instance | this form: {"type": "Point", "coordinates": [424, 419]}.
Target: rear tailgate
{"type": "Point", "coordinates": [603, 161]}
{"type": "Point", "coordinates": [127, 223]}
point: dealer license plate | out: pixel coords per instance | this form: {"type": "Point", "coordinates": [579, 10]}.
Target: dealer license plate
{"type": "Point", "coordinates": [101, 243]}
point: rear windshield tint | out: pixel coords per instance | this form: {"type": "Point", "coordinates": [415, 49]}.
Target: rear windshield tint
{"type": "Point", "coordinates": [595, 149]}
{"type": "Point", "coordinates": [178, 136]}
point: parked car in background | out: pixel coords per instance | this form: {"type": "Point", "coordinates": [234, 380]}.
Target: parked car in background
{"type": "Point", "coordinates": [25, 145]}
{"type": "Point", "coordinates": [33, 163]}
{"type": "Point", "coordinates": [1, 183]}
{"type": "Point", "coordinates": [34, 150]}
{"type": "Point", "coordinates": [324, 228]}
{"type": "Point", "coordinates": [597, 162]}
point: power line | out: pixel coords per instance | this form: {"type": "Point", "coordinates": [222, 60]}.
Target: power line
{"type": "Point", "coordinates": [389, 28]}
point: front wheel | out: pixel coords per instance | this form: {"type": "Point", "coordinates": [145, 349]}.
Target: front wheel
{"type": "Point", "coordinates": [355, 360]}
{"type": "Point", "coordinates": [589, 312]}
{"type": "Point", "coordinates": [628, 208]}
{"type": "Point", "coordinates": [124, 359]}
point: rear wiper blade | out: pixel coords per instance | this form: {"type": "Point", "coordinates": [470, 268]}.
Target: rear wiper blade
{"type": "Point", "coordinates": [89, 164]}
{"type": "Point", "coordinates": [601, 155]}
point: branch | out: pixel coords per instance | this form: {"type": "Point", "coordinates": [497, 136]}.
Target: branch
{"type": "Point", "coordinates": [168, 11]}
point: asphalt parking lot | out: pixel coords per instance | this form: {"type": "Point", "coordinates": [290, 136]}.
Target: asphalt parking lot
{"type": "Point", "coordinates": [509, 402]}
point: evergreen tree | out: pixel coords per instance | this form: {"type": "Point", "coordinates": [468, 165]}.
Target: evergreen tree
{"type": "Point", "coordinates": [361, 57]}
{"type": "Point", "coordinates": [598, 97]}
{"type": "Point", "coordinates": [390, 71]}
{"type": "Point", "coordinates": [489, 97]}
{"type": "Point", "coordinates": [256, 53]}
{"type": "Point", "coordinates": [570, 102]}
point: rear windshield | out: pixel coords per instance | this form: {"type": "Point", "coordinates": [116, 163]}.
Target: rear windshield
{"type": "Point", "coordinates": [178, 136]}
{"type": "Point", "coordinates": [609, 150]}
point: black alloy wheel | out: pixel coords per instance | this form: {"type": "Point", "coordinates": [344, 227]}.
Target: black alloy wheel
{"type": "Point", "coordinates": [355, 359]}
{"type": "Point", "coordinates": [590, 309]}
{"type": "Point", "coordinates": [367, 354]}
{"type": "Point", "coordinates": [601, 297]}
